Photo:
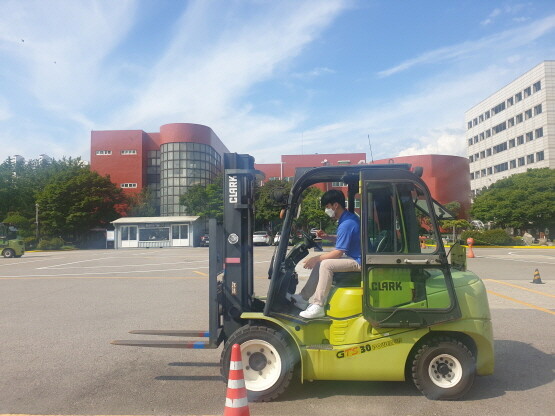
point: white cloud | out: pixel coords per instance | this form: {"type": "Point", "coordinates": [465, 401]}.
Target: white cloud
{"type": "Point", "coordinates": [5, 112]}
{"type": "Point", "coordinates": [59, 46]}
{"type": "Point", "coordinates": [316, 72]}
{"type": "Point", "coordinates": [509, 39]}
{"type": "Point", "coordinates": [205, 80]}
{"type": "Point", "coordinates": [496, 12]}
{"type": "Point", "coordinates": [438, 142]}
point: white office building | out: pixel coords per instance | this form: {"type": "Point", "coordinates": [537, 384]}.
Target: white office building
{"type": "Point", "coordinates": [513, 129]}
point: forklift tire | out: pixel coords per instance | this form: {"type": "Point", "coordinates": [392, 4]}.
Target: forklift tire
{"type": "Point", "coordinates": [8, 253]}
{"type": "Point", "coordinates": [268, 361]}
{"type": "Point", "coordinates": [443, 369]}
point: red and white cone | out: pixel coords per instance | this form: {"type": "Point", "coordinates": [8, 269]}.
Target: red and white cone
{"type": "Point", "coordinates": [236, 402]}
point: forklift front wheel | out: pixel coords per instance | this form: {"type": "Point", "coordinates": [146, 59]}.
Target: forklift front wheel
{"type": "Point", "coordinates": [268, 361]}
{"type": "Point", "coordinates": [443, 369]}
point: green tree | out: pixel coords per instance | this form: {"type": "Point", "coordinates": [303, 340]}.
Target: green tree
{"type": "Point", "coordinates": [312, 213]}
{"type": "Point", "coordinates": [266, 209]}
{"type": "Point", "coordinates": [524, 200]}
{"type": "Point", "coordinates": [143, 204]}
{"type": "Point", "coordinates": [206, 201]}
{"type": "Point", "coordinates": [76, 201]}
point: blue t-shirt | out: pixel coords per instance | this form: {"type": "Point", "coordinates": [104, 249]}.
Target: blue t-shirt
{"type": "Point", "coordinates": [348, 235]}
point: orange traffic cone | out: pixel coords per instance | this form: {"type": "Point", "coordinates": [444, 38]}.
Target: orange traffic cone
{"type": "Point", "coordinates": [537, 279]}
{"type": "Point", "coordinates": [236, 402]}
{"type": "Point", "coordinates": [469, 252]}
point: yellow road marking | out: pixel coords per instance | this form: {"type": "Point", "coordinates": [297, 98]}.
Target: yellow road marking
{"type": "Point", "coordinates": [521, 302]}
{"type": "Point", "coordinates": [201, 273]}
{"type": "Point", "coordinates": [521, 287]}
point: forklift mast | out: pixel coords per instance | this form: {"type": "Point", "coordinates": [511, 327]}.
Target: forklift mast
{"type": "Point", "coordinates": [236, 249]}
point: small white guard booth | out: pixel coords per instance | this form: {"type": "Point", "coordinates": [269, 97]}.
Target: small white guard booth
{"type": "Point", "coordinates": [146, 232]}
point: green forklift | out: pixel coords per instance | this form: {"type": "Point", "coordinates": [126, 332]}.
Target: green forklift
{"type": "Point", "coordinates": [410, 313]}
{"type": "Point", "coordinates": [10, 245]}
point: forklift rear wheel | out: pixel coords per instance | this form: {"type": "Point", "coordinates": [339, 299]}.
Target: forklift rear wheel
{"type": "Point", "coordinates": [268, 361]}
{"type": "Point", "coordinates": [8, 253]}
{"type": "Point", "coordinates": [443, 369]}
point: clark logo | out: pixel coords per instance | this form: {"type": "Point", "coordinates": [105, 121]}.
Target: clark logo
{"type": "Point", "coordinates": [387, 286]}
{"type": "Point", "coordinates": [232, 186]}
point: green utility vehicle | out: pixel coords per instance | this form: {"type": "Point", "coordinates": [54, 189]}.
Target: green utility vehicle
{"type": "Point", "coordinates": [10, 245]}
{"type": "Point", "coordinates": [410, 313]}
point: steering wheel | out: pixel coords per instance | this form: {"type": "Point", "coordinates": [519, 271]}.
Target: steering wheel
{"type": "Point", "coordinates": [383, 242]}
{"type": "Point", "coordinates": [309, 239]}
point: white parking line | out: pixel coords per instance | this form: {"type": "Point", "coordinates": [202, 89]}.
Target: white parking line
{"type": "Point", "coordinates": [55, 267]}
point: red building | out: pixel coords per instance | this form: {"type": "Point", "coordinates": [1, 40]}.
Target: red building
{"type": "Point", "coordinates": [168, 162]}
{"type": "Point", "coordinates": [446, 176]}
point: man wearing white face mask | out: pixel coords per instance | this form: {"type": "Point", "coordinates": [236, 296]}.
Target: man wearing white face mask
{"type": "Point", "coordinates": [346, 257]}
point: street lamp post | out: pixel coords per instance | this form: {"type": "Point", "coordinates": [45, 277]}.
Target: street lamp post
{"type": "Point", "coordinates": [37, 221]}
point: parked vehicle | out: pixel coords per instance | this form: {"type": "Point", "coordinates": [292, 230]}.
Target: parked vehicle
{"type": "Point", "coordinates": [10, 245]}
{"type": "Point", "coordinates": [262, 237]}
{"type": "Point", "coordinates": [205, 240]}
{"type": "Point", "coordinates": [278, 237]}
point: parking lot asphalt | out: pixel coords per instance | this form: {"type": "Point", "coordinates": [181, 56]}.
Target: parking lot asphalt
{"type": "Point", "coordinates": [60, 310]}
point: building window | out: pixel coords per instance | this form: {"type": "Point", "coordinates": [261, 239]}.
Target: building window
{"type": "Point", "coordinates": [529, 136]}
{"type": "Point", "coordinates": [489, 171]}
{"type": "Point", "coordinates": [475, 121]}
{"type": "Point", "coordinates": [518, 97]}
{"type": "Point", "coordinates": [537, 109]}
{"type": "Point", "coordinates": [469, 124]}
{"type": "Point", "coordinates": [519, 118]}
{"type": "Point", "coordinates": [476, 139]}
{"type": "Point", "coordinates": [539, 156]}
{"type": "Point", "coordinates": [343, 162]}
{"type": "Point", "coordinates": [477, 174]}
{"type": "Point", "coordinates": [128, 185]}
{"type": "Point", "coordinates": [510, 101]}
{"type": "Point", "coordinates": [511, 143]}
{"type": "Point", "coordinates": [481, 118]}
{"type": "Point", "coordinates": [527, 92]}
{"type": "Point", "coordinates": [488, 152]}
{"type": "Point", "coordinates": [530, 159]}
{"type": "Point", "coordinates": [498, 108]}
{"type": "Point", "coordinates": [482, 154]}
{"type": "Point", "coordinates": [471, 159]}
{"type": "Point", "coordinates": [338, 184]}
{"type": "Point", "coordinates": [511, 122]}
{"type": "Point", "coordinates": [539, 132]}
{"type": "Point", "coordinates": [483, 172]}
{"type": "Point", "coordinates": [470, 142]}
{"type": "Point", "coordinates": [512, 164]}
{"type": "Point", "coordinates": [128, 152]}
{"type": "Point", "coordinates": [537, 86]}
{"type": "Point", "coordinates": [488, 133]}
{"type": "Point", "coordinates": [528, 114]}
{"type": "Point", "coordinates": [500, 127]}
{"type": "Point", "coordinates": [472, 176]}
{"type": "Point", "coordinates": [500, 148]}
{"type": "Point", "coordinates": [486, 114]}
{"type": "Point", "coordinates": [521, 161]}
{"type": "Point", "coordinates": [501, 167]}
{"type": "Point", "coordinates": [103, 152]}
{"type": "Point", "coordinates": [520, 140]}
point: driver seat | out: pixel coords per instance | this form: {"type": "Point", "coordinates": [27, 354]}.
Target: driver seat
{"type": "Point", "coordinates": [347, 279]}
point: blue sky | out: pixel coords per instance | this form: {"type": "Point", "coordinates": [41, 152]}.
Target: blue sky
{"type": "Point", "coordinates": [269, 77]}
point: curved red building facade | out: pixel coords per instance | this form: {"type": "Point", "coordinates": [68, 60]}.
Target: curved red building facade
{"type": "Point", "coordinates": [179, 156]}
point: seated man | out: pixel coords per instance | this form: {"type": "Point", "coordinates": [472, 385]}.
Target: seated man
{"type": "Point", "coordinates": [346, 257]}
